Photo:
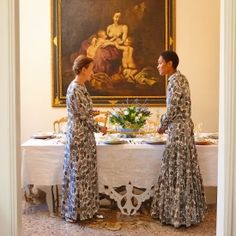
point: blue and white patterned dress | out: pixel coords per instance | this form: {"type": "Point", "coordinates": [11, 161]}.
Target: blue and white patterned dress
{"type": "Point", "coordinates": [179, 197]}
{"type": "Point", "coordinates": [80, 198]}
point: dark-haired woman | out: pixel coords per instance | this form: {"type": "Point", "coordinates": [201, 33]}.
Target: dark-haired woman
{"type": "Point", "coordinates": [179, 198]}
{"type": "Point", "coordinates": [80, 199]}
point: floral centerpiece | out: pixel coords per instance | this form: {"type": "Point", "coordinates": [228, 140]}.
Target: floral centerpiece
{"type": "Point", "coordinates": [130, 118]}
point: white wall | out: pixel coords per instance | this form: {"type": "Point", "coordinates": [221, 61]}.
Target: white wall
{"type": "Point", "coordinates": [36, 82]}
{"type": "Point", "coordinates": [197, 40]}
{"type": "Point", "coordinates": [197, 37]}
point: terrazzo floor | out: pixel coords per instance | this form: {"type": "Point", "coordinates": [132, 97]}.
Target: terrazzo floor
{"type": "Point", "coordinates": [36, 221]}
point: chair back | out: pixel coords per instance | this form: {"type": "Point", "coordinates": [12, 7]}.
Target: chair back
{"type": "Point", "coordinates": [102, 118]}
{"type": "Point", "coordinates": [59, 126]}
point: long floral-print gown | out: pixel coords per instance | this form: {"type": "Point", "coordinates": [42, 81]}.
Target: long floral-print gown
{"type": "Point", "coordinates": [80, 199]}
{"type": "Point", "coordinates": [179, 197]}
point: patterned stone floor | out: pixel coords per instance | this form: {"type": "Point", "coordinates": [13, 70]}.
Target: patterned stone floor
{"type": "Point", "coordinates": [36, 221]}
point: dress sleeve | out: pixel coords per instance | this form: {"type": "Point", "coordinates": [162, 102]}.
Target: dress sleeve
{"type": "Point", "coordinates": [93, 124]}
{"type": "Point", "coordinates": [173, 98]}
{"type": "Point", "coordinates": [83, 110]}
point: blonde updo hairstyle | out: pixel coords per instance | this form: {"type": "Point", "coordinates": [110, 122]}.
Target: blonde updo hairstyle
{"type": "Point", "coordinates": [80, 62]}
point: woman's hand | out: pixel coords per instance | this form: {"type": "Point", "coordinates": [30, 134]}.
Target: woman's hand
{"type": "Point", "coordinates": [161, 130]}
{"type": "Point", "coordinates": [103, 130]}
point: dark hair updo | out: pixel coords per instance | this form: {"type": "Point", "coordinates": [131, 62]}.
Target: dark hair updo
{"type": "Point", "coordinates": [170, 56]}
{"type": "Point", "coordinates": [80, 62]}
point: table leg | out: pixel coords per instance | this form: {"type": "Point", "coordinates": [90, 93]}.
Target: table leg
{"type": "Point", "coordinates": [49, 198]}
{"type": "Point", "coordinates": [128, 201]}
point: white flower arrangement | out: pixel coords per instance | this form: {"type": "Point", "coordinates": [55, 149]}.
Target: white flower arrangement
{"type": "Point", "coordinates": [131, 117]}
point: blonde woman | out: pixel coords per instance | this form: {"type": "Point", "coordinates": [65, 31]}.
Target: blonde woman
{"type": "Point", "coordinates": [80, 199]}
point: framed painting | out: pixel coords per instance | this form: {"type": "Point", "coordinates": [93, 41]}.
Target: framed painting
{"type": "Point", "coordinates": [124, 38]}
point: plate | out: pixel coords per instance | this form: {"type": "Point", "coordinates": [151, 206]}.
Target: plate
{"type": "Point", "coordinates": [43, 135]}
{"type": "Point", "coordinates": [114, 141]}
{"type": "Point", "coordinates": [204, 142]}
{"type": "Point", "coordinates": [155, 142]}
{"type": "Point", "coordinates": [213, 136]}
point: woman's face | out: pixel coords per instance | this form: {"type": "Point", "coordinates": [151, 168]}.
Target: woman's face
{"type": "Point", "coordinates": [88, 71]}
{"type": "Point", "coordinates": [163, 67]}
{"type": "Point", "coordinates": [116, 17]}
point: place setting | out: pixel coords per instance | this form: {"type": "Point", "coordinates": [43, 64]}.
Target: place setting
{"type": "Point", "coordinates": [114, 141]}
{"type": "Point", "coordinates": [201, 139]}
{"type": "Point", "coordinates": [204, 138]}
{"type": "Point", "coordinates": [43, 135]}
{"type": "Point", "coordinates": [110, 139]}
{"type": "Point", "coordinates": [155, 139]}
{"type": "Point", "coordinates": [48, 138]}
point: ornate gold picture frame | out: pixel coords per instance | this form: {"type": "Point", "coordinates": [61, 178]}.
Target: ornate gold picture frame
{"type": "Point", "coordinates": [124, 37]}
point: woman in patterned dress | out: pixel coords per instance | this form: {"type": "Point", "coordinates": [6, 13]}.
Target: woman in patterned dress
{"type": "Point", "coordinates": [80, 197]}
{"type": "Point", "coordinates": [179, 197]}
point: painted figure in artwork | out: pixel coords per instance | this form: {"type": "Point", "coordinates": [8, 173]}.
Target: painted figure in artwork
{"type": "Point", "coordinates": [117, 32]}
{"type": "Point", "coordinates": [128, 64]}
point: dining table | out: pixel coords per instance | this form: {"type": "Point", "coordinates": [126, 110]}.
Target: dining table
{"type": "Point", "coordinates": [127, 169]}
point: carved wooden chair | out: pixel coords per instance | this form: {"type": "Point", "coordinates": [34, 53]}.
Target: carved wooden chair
{"type": "Point", "coordinates": [151, 125]}
{"type": "Point", "coordinates": [59, 126]}
{"type": "Point", "coordinates": [102, 118]}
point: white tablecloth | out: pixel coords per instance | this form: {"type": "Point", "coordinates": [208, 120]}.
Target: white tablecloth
{"type": "Point", "coordinates": [130, 165]}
